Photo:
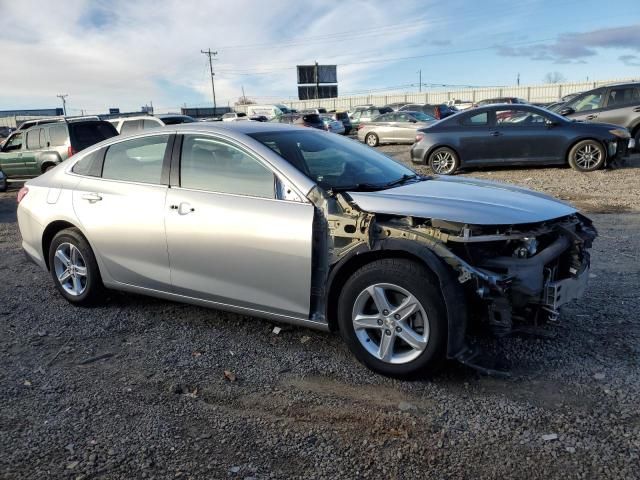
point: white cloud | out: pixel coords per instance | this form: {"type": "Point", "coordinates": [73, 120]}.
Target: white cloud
{"type": "Point", "coordinates": [124, 53]}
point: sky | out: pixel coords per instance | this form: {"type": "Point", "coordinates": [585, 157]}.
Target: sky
{"type": "Point", "coordinates": [129, 53]}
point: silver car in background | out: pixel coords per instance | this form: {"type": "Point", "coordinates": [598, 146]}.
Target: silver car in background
{"type": "Point", "coordinates": [394, 127]}
{"type": "Point", "coordinates": [302, 226]}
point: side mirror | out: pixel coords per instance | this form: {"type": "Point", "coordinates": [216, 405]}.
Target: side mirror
{"type": "Point", "coordinates": [567, 111]}
{"type": "Point", "coordinates": [413, 120]}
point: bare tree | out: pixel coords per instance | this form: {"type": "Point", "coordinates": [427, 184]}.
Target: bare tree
{"type": "Point", "coordinates": [245, 101]}
{"type": "Point", "coordinates": [554, 77]}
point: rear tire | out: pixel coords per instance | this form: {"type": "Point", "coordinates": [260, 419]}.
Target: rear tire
{"type": "Point", "coordinates": [408, 337]}
{"type": "Point", "coordinates": [372, 140]}
{"type": "Point", "coordinates": [637, 138]}
{"type": "Point", "coordinates": [587, 156]}
{"type": "Point", "coordinates": [443, 161]}
{"type": "Point", "coordinates": [74, 268]}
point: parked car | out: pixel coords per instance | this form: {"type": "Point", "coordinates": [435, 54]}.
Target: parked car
{"type": "Point", "coordinates": [517, 135]}
{"type": "Point", "coordinates": [300, 226]}
{"type": "Point", "coordinates": [436, 111]}
{"type": "Point", "coordinates": [134, 124]}
{"type": "Point", "coordinates": [3, 182]}
{"type": "Point", "coordinates": [259, 118]}
{"type": "Point", "coordinates": [569, 96]}
{"type": "Point", "coordinates": [344, 118]}
{"type": "Point", "coordinates": [34, 151]}
{"type": "Point", "coordinates": [554, 107]}
{"type": "Point", "coordinates": [234, 116]}
{"type": "Point", "coordinates": [460, 104]}
{"type": "Point", "coordinates": [313, 110]}
{"type": "Point", "coordinates": [269, 111]}
{"type": "Point", "coordinates": [615, 104]}
{"type": "Point", "coordinates": [367, 115]}
{"type": "Point", "coordinates": [510, 100]}
{"type": "Point", "coordinates": [312, 120]}
{"type": "Point", "coordinates": [397, 105]}
{"type": "Point", "coordinates": [393, 127]}
{"type": "Point", "coordinates": [173, 119]}
{"type": "Point", "coordinates": [331, 124]}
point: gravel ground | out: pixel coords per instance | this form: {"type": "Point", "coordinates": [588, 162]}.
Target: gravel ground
{"type": "Point", "coordinates": [614, 190]}
{"type": "Point", "coordinates": [137, 388]}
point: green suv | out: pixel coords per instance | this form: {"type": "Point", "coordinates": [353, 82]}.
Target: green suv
{"type": "Point", "coordinates": [28, 153]}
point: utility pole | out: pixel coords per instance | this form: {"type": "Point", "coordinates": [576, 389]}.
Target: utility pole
{"type": "Point", "coordinates": [244, 98]}
{"type": "Point", "coordinates": [518, 80]}
{"type": "Point", "coordinates": [64, 102]}
{"type": "Point", "coordinates": [317, 82]}
{"type": "Point", "coordinates": [420, 80]}
{"type": "Point", "coordinates": [210, 54]}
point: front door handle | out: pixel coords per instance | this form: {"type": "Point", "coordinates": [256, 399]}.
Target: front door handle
{"type": "Point", "coordinates": [637, 109]}
{"type": "Point", "coordinates": [592, 116]}
{"type": "Point", "coordinates": [185, 208]}
{"type": "Point", "coordinates": [91, 197]}
{"type": "Point", "coordinates": [495, 134]}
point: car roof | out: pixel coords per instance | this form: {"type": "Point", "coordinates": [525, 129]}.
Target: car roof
{"type": "Point", "coordinates": [245, 128]}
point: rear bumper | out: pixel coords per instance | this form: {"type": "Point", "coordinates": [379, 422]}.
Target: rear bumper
{"type": "Point", "coordinates": [418, 153]}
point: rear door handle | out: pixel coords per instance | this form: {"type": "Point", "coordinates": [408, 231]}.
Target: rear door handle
{"type": "Point", "coordinates": [91, 197]}
{"type": "Point", "coordinates": [637, 109]}
{"type": "Point", "coordinates": [592, 116]}
{"type": "Point", "coordinates": [495, 134]}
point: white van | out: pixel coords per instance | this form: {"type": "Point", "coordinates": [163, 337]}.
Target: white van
{"type": "Point", "coordinates": [269, 111]}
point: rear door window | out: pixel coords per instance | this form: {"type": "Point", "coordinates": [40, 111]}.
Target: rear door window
{"type": "Point", "coordinates": [58, 135]}
{"type": "Point", "coordinates": [43, 138]}
{"type": "Point", "coordinates": [479, 119]}
{"type": "Point", "coordinates": [136, 160]}
{"type": "Point", "coordinates": [84, 135]}
{"type": "Point", "coordinates": [622, 96]}
{"type": "Point", "coordinates": [33, 139]}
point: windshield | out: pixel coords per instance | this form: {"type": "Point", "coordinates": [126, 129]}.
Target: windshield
{"type": "Point", "coordinates": [334, 162]}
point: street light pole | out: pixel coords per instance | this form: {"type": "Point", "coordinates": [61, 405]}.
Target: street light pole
{"type": "Point", "coordinates": [64, 102]}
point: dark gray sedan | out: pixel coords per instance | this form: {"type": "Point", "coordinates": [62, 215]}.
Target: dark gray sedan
{"type": "Point", "coordinates": [517, 135]}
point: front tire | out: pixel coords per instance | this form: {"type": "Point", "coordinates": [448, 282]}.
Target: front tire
{"type": "Point", "coordinates": [443, 161]}
{"type": "Point", "coordinates": [372, 140]}
{"type": "Point", "coordinates": [74, 268]}
{"type": "Point", "coordinates": [392, 318]}
{"type": "Point", "coordinates": [587, 156]}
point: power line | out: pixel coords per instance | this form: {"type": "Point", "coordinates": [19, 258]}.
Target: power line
{"type": "Point", "coordinates": [209, 53]}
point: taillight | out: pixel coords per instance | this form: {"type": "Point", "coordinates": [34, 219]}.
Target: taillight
{"type": "Point", "coordinates": [71, 151]}
{"type": "Point", "coordinates": [419, 137]}
{"type": "Point", "coordinates": [438, 115]}
{"type": "Point", "coordinates": [22, 193]}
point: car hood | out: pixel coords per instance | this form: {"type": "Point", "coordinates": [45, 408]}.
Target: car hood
{"type": "Point", "coordinates": [471, 201]}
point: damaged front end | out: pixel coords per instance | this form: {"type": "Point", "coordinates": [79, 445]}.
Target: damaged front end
{"type": "Point", "coordinates": [508, 278]}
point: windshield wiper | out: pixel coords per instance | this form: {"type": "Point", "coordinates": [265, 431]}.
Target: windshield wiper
{"type": "Point", "coordinates": [356, 186]}
{"type": "Point", "coordinates": [401, 180]}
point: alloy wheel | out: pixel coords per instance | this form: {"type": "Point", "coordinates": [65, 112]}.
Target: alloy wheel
{"type": "Point", "coordinates": [390, 323]}
{"type": "Point", "coordinates": [71, 269]}
{"type": "Point", "coordinates": [588, 156]}
{"type": "Point", "coordinates": [443, 162]}
{"type": "Point", "coordinates": [372, 141]}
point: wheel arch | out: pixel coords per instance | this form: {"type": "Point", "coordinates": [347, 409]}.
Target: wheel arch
{"type": "Point", "coordinates": [49, 159]}
{"type": "Point", "coordinates": [451, 291]}
{"type": "Point", "coordinates": [51, 231]}
{"type": "Point", "coordinates": [441, 145]}
{"type": "Point", "coordinates": [581, 139]}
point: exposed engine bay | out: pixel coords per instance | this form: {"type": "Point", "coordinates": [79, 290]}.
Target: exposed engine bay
{"type": "Point", "coordinates": [513, 277]}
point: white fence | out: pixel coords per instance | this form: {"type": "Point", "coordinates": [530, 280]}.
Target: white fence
{"type": "Point", "coordinates": [546, 93]}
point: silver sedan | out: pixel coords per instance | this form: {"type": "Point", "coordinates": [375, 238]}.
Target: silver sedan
{"type": "Point", "coordinates": [394, 127]}
{"type": "Point", "coordinates": [303, 226]}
